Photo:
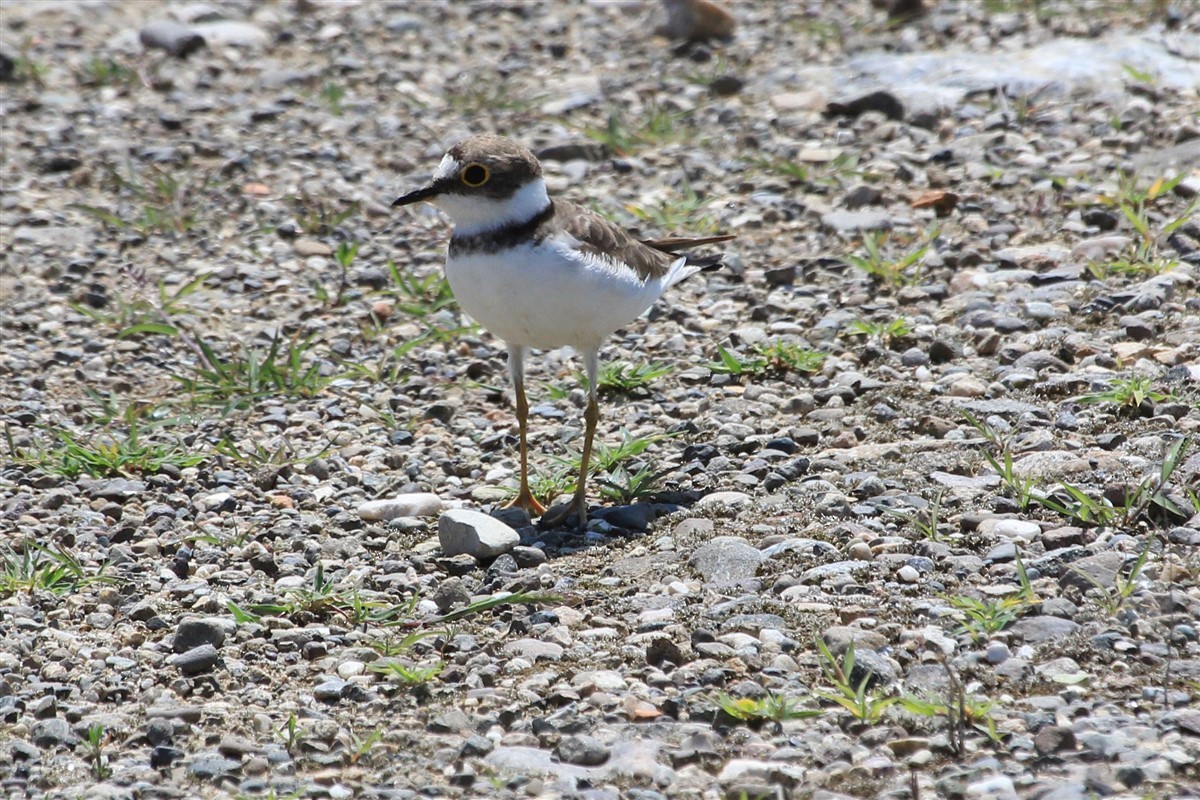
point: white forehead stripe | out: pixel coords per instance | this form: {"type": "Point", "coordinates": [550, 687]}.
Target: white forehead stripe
{"type": "Point", "coordinates": [449, 168]}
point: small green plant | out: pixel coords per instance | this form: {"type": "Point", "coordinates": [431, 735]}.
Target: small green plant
{"type": "Point", "coordinates": [1127, 394]}
{"type": "Point", "coordinates": [606, 457]}
{"type": "Point", "coordinates": [624, 487]}
{"type": "Point", "coordinates": [1112, 599]}
{"type": "Point", "coordinates": [769, 708]}
{"type": "Point", "coordinates": [408, 674]}
{"type": "Point", "coordinates": [960, 711]}
{"type": "Point", "coordinates": [784, 356]}
{"type": "Point", "coordinates": [344, 256]}
{"type": "Point", "coordinates": [290, 733]}
{"type": "Point", "coordinates": [93, 744]}
{"type": "Point", "coordinates": [319, 217]}
{"type": "Point", "coordinates": [655, 126]}
{"type": "Point", "coordinates": [549, 484]}
{"type": "Point", "coordinates": [1140, 208]}
{"type": "Point", "coordinates": [419, 297]}
{"type": "Point", "coordinates": [102, 71]}
{"type": "Point", "coordinates": [247, 376]}
{"type": "Point", "coordinates": [332, 96]}
{"type": "Point", "coordinates": [361, 746]}
{"type": "Point", "coordinates": [883, 332]}
{"type": "Point", "coordinates": [1139, 75]}
{"type": "Point", "coordinates": [105, 455]}
{"type": "Point", "coordinates": [1079, 506]}
{"type": "Point", "coordinates": [794, 171]}
{"type": "Point", "coordinates": [472, 97]}
{"type": "Point", "coordinates": [142, 314]}
{"type": "Point", "coordinates": [40, 568]}
{"type": "Point", "coordinates": [161, 200]}
{"type": "Point", "coordinates": [926, 521]}
{"type": "Point", "coordinates": [892, 272]}
{"type": "Point", "coordinates": [864, 704]}
{"type": "Point", "coordinates": [1020, 489]}
{"type": "Point", "coordinates": [28, 68]}
{"type": "Point", "coordinates": [731, 364]}
{"type": "Point", "coordinates": [676, 213]}
{"type": "Point", "coordinates": [624, 377]}
{"type": "Point", "coordinates": [983, 617]}
{"type": "Point", "coordinates": [234, 539]}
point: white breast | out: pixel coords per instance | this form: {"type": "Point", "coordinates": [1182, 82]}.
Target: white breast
{"type": "Point", "coordinates": [550, 295]}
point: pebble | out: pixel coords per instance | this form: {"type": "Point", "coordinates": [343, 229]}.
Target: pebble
{"type": "Point", "coordinates": [475, 534]}
{"type": "Point", "coordinates": [422, 504]}
{"type": "Point", "coordinates": [730, 499]}
{"type": "Point", "coordinates": [196, 660]}
{"type": "Point", "coordinates": [192, 633]}
{"type": "Point", "coordinates": [726, 559]}
{"type": "Point", "coordinates": [177, 40]}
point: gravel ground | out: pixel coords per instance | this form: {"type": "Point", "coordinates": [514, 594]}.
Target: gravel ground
{"type": "Point", "coordinates": [910, 508]}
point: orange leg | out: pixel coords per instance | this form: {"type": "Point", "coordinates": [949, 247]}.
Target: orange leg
{"type": "Point", "coordinates": [516, 367]}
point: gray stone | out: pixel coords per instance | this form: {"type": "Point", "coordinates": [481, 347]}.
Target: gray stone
{"type": "Point", "coordinates": [1053, 739]}
{"type": "Point", "coordinates": [726, 559]}
{"type": "Point", "coordinates": [197, 660]}
{"type": "Point", "coordinates": [233, 33]}
{"type": "Point", "coordinates": [838, 639]}
{"type": "Point", "coordinates": [1101, 568]}
{"type": "Point", "coordinates": [475, 534]}
{"type": "Point", "coordinates": [192, 633]}
{"type": "Point", "coordinates": [210, 766]}
{"type": "Point", "coordinates": [533, 650]}
{"type": "Point", "coordinates": [177, 40]}
{"type": "Point", "coordinates": [1036, 630]}
{"type": "Point", "coordinates": [842, 569]}
{"type": "Point", "coordinates": [331, 690]}
{"type": "Point", "coordinates": [451, 594]}
{"type": "Point", "coordinates": [996, 787]}
{"type": "Point", "coordinates": [586, 751]}
{"type": "Point", "coordinates": [48, 733]}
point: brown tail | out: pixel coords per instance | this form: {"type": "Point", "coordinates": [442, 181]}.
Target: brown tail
{"type": "Point", "coordinates": [674, 245]}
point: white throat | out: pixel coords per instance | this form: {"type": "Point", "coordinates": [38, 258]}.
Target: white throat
{"type": "Point", "coordinates": [475, 214]}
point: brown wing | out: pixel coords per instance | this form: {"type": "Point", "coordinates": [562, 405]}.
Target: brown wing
{"type": "Point", "coordinates": [597, 236]}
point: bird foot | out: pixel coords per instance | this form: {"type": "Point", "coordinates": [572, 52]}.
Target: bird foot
{"type": "Point", "coordinates": [527, 501]}
{"type": "Point", "coordinates": [561, 514]}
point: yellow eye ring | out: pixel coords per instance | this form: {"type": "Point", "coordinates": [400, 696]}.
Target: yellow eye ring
{"type": "Point", "coordinates": [474, 175]}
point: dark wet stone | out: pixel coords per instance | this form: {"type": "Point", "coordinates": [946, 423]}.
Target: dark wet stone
{"type": "Point", "coordinates": [210, 766]}
{"type": "Point", "coordinates": [881, 101]}
{"type": "Point", "coordinates": [663, 650]}
{"type": "Point", "coordinates": [1100, 218]}
{"type": "Point", "coordinates": [193, 633]}
{"type": "Point", "coordinates": [177, 40]}
{"type": "Point", "coordinates": [862, 195]}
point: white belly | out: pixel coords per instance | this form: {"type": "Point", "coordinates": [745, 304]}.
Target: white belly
{"type": "Point", "coordinates": [549, 295]}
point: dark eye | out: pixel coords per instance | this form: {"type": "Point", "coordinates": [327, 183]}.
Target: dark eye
{"type": "Point", "coordinates": [474, 174]}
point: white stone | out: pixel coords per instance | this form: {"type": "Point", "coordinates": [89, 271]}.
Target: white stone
{"type": "Point", "coordinates": [475, 533]}
{"type": "Point", "coordinates": [418, 504]}
{"type": "Point", "coordinates": [732, 499]}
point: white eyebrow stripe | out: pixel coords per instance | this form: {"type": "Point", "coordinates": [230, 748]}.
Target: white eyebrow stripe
{"type": "Point", "coordinates": [449, 168]}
